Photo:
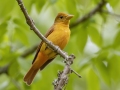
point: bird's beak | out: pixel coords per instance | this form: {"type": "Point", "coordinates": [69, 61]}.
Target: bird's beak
{"type": "Point", "coordinates": [69, 17]}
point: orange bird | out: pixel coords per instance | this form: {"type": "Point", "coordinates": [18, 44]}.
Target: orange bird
{"type": "Point", "coordinates": [59, 35]}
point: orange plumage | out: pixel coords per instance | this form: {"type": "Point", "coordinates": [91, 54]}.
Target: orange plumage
{"type": "Point", "coordinates": [59, 35]}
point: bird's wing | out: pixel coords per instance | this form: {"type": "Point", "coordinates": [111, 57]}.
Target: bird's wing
{"type": "Point", "coordinates": [38, 49]}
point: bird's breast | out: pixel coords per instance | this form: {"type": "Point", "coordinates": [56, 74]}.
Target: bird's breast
{"type": "Point", "coordinates": [60, 37]}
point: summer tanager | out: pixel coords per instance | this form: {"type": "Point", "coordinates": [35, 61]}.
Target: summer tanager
{"type": "Point", "coordinates": [59, 35]}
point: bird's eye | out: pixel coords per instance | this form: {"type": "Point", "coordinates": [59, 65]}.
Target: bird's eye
{"type": "Point", "coordinates": [61, 17]}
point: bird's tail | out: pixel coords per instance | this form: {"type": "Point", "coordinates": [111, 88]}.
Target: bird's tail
{"type": "Point", "coordinates": [39, 61]}
{"type": "Point", "coordinates": [30, 75]}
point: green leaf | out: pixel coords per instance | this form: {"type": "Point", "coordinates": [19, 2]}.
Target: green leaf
{"type": "Point", "coordinates": [113, 3]}
{"type": "Point", "coordinates": [24, 65]}
{"type": "Point", "coordinates": [14, 69]}
{"type": "Point", "coordinates": [6, 11]}
{"type": "Point", "coordinates": [7, 55]}
{"type": "Point", "coordinates": [92, 80]}
{"type": "Point", "coordinates": [72, 42]}
{"type": "Point", "coordinates": [3, 30]}
{"type": "Point", "coordinates": [39, 4]}
{"type": "Point", "coordinates": [114, 68]}
{"type": "Point", "coordinates": [29, 4]}
{"type": "Point", "coordinates": [70, 9]}
{"type": "Point", "coordinates": [103, 54]}
{"type": "Point", "coordinates": [81, 39]}
{"type": "Point", "coordinates": [102, 69]}
{"type": "Point", "coordinates": [96, 1]}
{"type": "Point", "coordinates": [53, 1]}
{"type": "Point", "coordinates": [4, 81]}
{"type": "Point", "coordinates": [116, 42]}
{"type": "Point", "coordinates": [95, 35]}
{"type": "Point", "coordinates": [21, 23]}
{"type": "Point", "coordinates": [21, 36]}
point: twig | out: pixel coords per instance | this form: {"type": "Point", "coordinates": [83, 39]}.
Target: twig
{"type": "Point", "coordinates": [98, 8]}
{"type": "Point", "coordinates": [69, 59]}
{"type": "Point", "coordinates": [72, 71]}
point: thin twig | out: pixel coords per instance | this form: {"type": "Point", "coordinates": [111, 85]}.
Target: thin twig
{"type": "Point", "coordinates": [72, 71]}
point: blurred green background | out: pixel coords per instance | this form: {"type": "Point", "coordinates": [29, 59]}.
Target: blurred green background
{"type": "Point", "coordinates": [95, 42]}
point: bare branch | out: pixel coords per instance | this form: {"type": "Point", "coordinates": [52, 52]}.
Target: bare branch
{"type": "Point", "coordinates": [72, 71]}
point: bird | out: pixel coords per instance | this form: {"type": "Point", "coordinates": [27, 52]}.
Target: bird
{"type": "Point", "coordinates": [58, 34]}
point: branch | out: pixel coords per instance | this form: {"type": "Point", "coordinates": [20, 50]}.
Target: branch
{"type": "Point", "coordinates": [38, 33]}
{"type": "Point", "coordinates": [63, 76]}
{"type": "Point", "coordinates": [98, 8]}
{"type": "Point", "coordinates": [68, 59]}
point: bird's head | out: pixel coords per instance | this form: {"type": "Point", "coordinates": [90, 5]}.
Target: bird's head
{"type": "Point", "coordinates": [63, 18]}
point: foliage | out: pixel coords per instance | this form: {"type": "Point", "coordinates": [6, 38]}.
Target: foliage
{"type": "Point", "coordinates": [95, 43]}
